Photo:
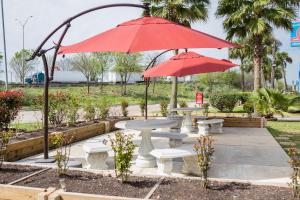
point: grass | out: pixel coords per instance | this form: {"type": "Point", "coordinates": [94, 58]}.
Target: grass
{"type": "Point", "coordinates": [285, 133]}
{"type": "Point", "coordinates": [135, 93]}
{"type": "Point", "coordinates": [27, 126]}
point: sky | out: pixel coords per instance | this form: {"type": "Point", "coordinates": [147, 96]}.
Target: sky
{"type": "Point", "coordinates": [47, 14]}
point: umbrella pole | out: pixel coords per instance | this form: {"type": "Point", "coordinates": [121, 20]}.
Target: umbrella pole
{"type": "Point", "coordinates": [146, 96]}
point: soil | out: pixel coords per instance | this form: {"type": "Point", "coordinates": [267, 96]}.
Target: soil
{"type": "Point", "coordinates": [22, 135]}
{"type": "Point", "coordinates": [183, 189]}
{"type": "Point", "coordinates": [84, 182]}
{"type": "Point", "coordinates": [10, 173]}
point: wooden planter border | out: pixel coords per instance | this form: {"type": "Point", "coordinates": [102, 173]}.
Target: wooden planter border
{"type": "Point", "coordinates": [33, 146]}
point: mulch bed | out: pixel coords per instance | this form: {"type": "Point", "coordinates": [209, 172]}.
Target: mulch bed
{"type": "Point", "coordinates": [84, 182]}
{"type": "Point", "coordinates": [10, 173]}
{"type": "Point", "coordinates": [183, 189]}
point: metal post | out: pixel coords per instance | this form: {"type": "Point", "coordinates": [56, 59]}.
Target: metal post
{"type": "Point", "coordinates": [4, 47]}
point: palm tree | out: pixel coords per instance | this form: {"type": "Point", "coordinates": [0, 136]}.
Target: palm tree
{"type": "Point", "coordinates": [282, 59]}
{"type": "Point", "coordinates": [242, 54]}
{"type": "Point", "coordinates": [252, 19]}
{"type": "Point", "coordinates": [183, 12]}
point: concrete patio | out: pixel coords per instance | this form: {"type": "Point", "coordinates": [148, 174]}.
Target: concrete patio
{"type": "Point", "coordinates": [241, 154]}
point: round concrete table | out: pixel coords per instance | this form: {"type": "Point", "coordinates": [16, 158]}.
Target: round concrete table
{"type": "Point", "coordinates": [144, 159]}
{"type": "Point", "coordinates": [187, 124]}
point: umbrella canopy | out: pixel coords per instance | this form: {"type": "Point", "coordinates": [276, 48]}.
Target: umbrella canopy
{"type": "Point", "coordinates": [188, 63]}
{"type": "Point", "coordinates": [144, 34]}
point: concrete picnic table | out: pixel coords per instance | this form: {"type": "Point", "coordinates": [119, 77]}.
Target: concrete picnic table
{"type": "Point", "coordinates": [145, 159]}
{"type": "Point", "coordinates": [187, 124]}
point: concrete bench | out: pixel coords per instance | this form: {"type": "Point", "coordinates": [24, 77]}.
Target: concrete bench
{"type": "Point", "coordinates": [175, 139]}
{"type": "Point", "coordinates": [210, 126]}
{"type": "Point", "coordinates": [96, 155]}
{"type": "Point", "coordinates": [164, 159]}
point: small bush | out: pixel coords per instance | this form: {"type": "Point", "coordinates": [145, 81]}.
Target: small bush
{"type": "Point", "coordinates": [123, 148]}
{"type": "Point", "coordinates": [164, 108]}
{"type": "Point", "coordinates": [204, 150]}
{"type": "Point", "coordinates": [183, 104]}
{"type": "Point", "coordinates": [90, 112]}
{"type": "Point", "coordinates": [244, 97]}
{"type": "Point", "coordinates": [29, 99]}
{"type": "Point", "coordinates": [72, 114]}
{"type": "Point", "coordinates": [205, 107]}
{"type": "Point", "coordinates": [103, 107]}
{"type": "Point", "coordinates": [63, 144]}
{"type": "Point", "coordinates": [5, 139]}
{"type": "Point", "coordinates": [124, 106]}
{"type": "Point", "coordinates": [223, 102]}
{"type": "Point", "coordinates": [142, 105]}
{"type": "Point", "coordinates": [295, 177]}
{"type": "Point", "coordinates": [10, 105]}
{"type": "Point", "coordinates": [58, 107]}
{"type": "Point", "coordinates": [248, 107]}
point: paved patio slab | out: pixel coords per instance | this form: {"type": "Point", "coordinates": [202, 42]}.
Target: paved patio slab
{"type": "Point", "coordinates": [245, 154]}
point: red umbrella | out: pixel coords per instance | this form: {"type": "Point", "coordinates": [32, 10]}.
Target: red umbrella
{"type": "Point", "coordinates": [144, 34]}
{"type": "Point", "coordinates": [187, 64]}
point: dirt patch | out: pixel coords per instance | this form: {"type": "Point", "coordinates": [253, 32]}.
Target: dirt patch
{"type": "Point", "coordinates": [182, 189]}
{"type": "Point", "coordinates": [10, 173]}
{"type": "Point", "coordinates": [84, 182]}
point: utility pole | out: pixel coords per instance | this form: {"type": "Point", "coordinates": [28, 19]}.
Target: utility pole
{"type": "Point", "coordinates": [4, 46]}
{"type": "Point", "coordinates": [23, 24]}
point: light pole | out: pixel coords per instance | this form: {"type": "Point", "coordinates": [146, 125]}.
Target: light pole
{"type": "Point", "coordinates": [4, 46]}
{"type": "Point", "coordinates": [23, 24]}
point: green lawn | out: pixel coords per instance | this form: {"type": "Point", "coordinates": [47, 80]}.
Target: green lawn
{"type": "Point", "coordinates": [286, 133]}
{"type": "Point", "coordinates": [27, 126]}
{"type": "Point", "coordinates": [135, 93]}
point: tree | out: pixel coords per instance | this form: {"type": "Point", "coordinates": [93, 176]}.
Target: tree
{"type": "Point", "coordinates": [183, 12]}
{"type": "Point", "coordinates": [281, 60]}
{"type": "Point", "coordinates": [102, 63]}
{"type": "Point", "coordinates": [16, 63]}
{"type": "Point", "coordinates": [242, 54]}
{"type": "Point", "coordinates": [251, 20]}
{"type": "Point", "coordinates": [125, 65]}
{"type": "Point", "coordinates": [85, 63]}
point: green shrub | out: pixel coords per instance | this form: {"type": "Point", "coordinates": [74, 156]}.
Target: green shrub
{"type": "Point", "coordinates": [205, 107]}
{"type": "Point", "coordinates": [29, 99]}
{"type": "Point", "coordinates": [204, 150]}
{"type": "Point", "coordinates": [294, 105]}
{"type": "Point", "coordinates": [244, 96]}
{"type": "Point", "coordinates": [248, 107]}
{"type": "Point", "coordinates": [10, 105]}
{"type": "Point", "coordinates": [103, 106]}
{"type": "Point", "coordinates": [164, 108]}
{"type": "Point", "coordinates": [72, 112]}
{"type": "Point", "coordinates": [142, 105]}
{"type": "Point", "coordinates": [58, 107]}
{"type": "Point", "coordinates": [183, 104]}
{"type": "Point", "coordinates": [62, 143]}
{"type": "Point", "coordinates": [223, 102]}
{"type": "Point", "coordinates": [123, 148]}
{"type": "Point", "coordinates": [124, 106]}
{"type": "Point", "coordinates": [90, 111]}
{"type": "Point", "coordinates": [5, 137]}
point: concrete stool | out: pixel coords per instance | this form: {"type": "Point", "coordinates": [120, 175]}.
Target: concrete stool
{"type": "Point", "coordinates": [96, 155]}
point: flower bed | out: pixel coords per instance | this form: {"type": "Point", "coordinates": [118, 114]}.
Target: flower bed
{"type": "Point", "coordinates": [82, 185]}
{"type": "Point", "coordinates": [34, 144]}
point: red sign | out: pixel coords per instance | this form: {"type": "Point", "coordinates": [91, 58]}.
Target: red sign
{"type": "Point", "coordinates": [199, 98]}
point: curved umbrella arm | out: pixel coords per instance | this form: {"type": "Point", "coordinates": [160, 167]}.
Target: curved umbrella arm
{"type": "Point", "coordinates": [68, 21]}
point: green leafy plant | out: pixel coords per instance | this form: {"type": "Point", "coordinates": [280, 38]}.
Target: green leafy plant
{"type": "Point", "coordinates": [72, 111]}
{"type": "Point", "coordinates": [295, 177]}
{"type": "Point", "coordinates": [103, 106]}
{"type": "Point", "coordinates": [5, 139]}
{"type": "Point", "coordinates": [183, 104]}
{"type": "Point", "coordinates": [90, 111]}
{"type": "Point", "coordinates": [223, 101]}
{"type": "Point", "coordinates": [204, 149]}
{"type": "Point", "coordinates": [248, 107]}
{"type": "Point", "coordinates": [58, 107]}
{"type": "Point", "coordinates": [10, 105]}
{"type": "Point", "coordinates": [205, 107]}
{"type": "Point", "coordinates": [124, 106]}
{"type": "Point", "coordinates": [62, 143]}
{"type": "Point", "coordinates": [164, 108]}
{"type": "Point", "coordinates": [142, 105]}
{"type": "Point", "coordinates": [268, 102]}
{"type": "Point", "coordinates": [123, 148]}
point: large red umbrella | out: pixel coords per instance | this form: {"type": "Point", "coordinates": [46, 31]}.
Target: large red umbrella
{"type": "Point", "coordinates": [144, 34]}
{"type": "Point", "coordinates": [188, 63]}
